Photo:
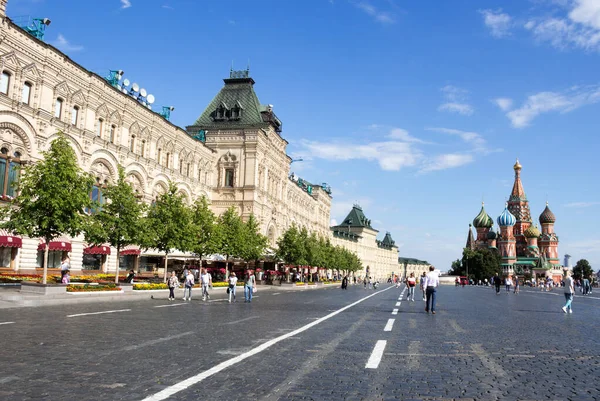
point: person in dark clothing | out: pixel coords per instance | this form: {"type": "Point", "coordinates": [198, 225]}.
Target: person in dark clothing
{"type": "Point", "coordinates": [497, 283]}
{"type": "Point", "coordinates": [345, 283]}
{"type": "Point", "coordinates": [130, 277]}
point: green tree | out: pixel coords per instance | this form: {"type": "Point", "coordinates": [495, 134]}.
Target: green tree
{"type": "Point", "coordinates": [53, 195]}
{"type": "Point", "coordinates": [290, 247]}
{"type": "Point", "coordinates": [456, 269]}
{"type": "Point", "coordinates": [230, 235]}
{"type": "Point", "coordinates": [582, 269]}
{"type": "Point", "coordinates": [118, 221]}
{"type": "Point", "coordinates": [167, 226]}
{"type": "Point", "coordinates": [204, 227]}
{"type": "Point", "coordinates": [481, 263]}
{"type": "Point", "coordinates": [253, 242]}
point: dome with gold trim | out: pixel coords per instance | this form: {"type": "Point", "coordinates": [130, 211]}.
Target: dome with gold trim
{"type": "Point", "coordinates": [483, 220]}
{"type": "Point", "coordinates": [547, 216]}
{"type": "Point", "coordinates": [517, 165]}
{"type": "Point", "coordinates": [532, 232]}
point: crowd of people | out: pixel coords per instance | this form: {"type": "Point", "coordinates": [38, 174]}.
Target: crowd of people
{"type": "Point", "coordinates": [205, 280]}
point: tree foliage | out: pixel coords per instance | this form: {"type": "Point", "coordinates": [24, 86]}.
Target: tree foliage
{"type": "Point", "coordinates": [582, 269]}
{"type": "Point", "coordinates": [253, 242]}
{"type": "Point", "coordinates": [204, 240]}
{"type": "Point", "coordinates": [118, 221]}
{"type": "Point", "coordinates": [230, 234]}
{"type": "Point", "coordinates": [53, 195]}
{"type": "Point", "coordinates": [481, 263]}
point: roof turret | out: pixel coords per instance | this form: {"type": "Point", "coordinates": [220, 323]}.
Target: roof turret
{"type": "Point", "coordinates": [547, 216]}
{"type": "Point", "coordinates": [506, 219]}
{"type": "Point", "coordinates": [483, 220]}
{"type": "Point", "coordinates": [491, 235]}
{"type": "Point", "coordinates": [532, 232]}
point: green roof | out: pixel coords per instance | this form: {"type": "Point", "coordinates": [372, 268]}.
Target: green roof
{"type": "Point", "coordinates": [356, 218]}
{"type": "Point", "coordinates": [412, 261]}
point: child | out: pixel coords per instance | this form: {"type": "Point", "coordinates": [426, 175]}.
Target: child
{"type": "Point", "coordinates": [66, 279]}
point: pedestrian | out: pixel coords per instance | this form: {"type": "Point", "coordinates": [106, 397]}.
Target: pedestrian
{"type": "Point", "coordinates": [586, 286]}
{"type": "Point", "coordinates": [64, 267]}
{"type": "Point", "coordinates": [232, 281]}
{"type": "Point", "coordinates": [365, 282]}
{"type": "Point", "coordinates": [508, 282]}
{"type": "Point", "coordinates": [412, 282]}
{"type": "Point", "coordinates": [569, 292]}
{"type": "Point", "coordinates": [66, 279]}
{"type": "Point", "coordinates": [249, 284]}
{"type": "Point", "coordinates": [172, 283]}
{"type": "Point", "coordinates": [432, 281]}
{"type": "Point", "coordinates": [497, 282]}
{"type": "Point", "coordinates": [205, 281]}
{"type": "Point", "coordinates": [189, 284]}
{"type": "Point", "coordinates": [370, 282]}
{"type": "Point", "coordinates": [517, 285]}
{"type": "Point", "coordinates": [345, 283]}
{"type": "Point", "coordinates": [422, 284]}
{"type": "Point", "coordinates": [130, 277]}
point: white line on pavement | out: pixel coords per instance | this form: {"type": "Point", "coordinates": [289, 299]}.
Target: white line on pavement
{"type": "Point", "coordinates": [158, 340]}
{"type": "Point", "coordinates": [389, 325]}
{"type": "Point", "coordinates": [455, 326]}
{"type": "Point", "coordinates": [395, 312]}
{"type": "Point", "coordinates": [376, 355]}
{"type": "Point", "coordinates": [6, 323]}
{"type": "Point", "coordinates": [164, 306]}
{"type": "Point", "coordinates": [169, 391]}
{"type": "Point", "coordinates": [276, 293]}
{"type": "Point", "coordinates": [397, 303]}
{"type": "Point", "coordinates": [243, 320]}
{"type": "Point", "coordinates": [100, 313]}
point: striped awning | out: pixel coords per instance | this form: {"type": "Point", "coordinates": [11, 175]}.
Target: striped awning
{"type": "Point", "coordinates": [97, 250]}
{"type": "Point", "coordinates": [130, 250]}
{"type": "Point", "coordinates": [58, 244]}
{"type": "Point", "coordinates": [8, 240]}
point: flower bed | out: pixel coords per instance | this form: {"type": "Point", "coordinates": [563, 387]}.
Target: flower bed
{"type": "Point", "coordinates": [141, 287]}
{"type": "Point", "coordinates": [299, 283]}
{"type": "Point", "coordinates": [92, 288]}
{"type": "Point", "coordinates": [311, 283]}
{"type": "Point", "coordinates": [225, 284]}
{"type": "Point", "coordinates": [97, 278]}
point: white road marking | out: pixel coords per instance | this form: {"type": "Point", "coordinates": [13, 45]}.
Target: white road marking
{"type": "Point", "coordinates": [100, 313]}
{"type": "Point", "coordinates": [276, 293]}
{"type": "Point", "coordinates": [165, 306]}
{"type": "Point", "coordinates": [487, 361]}
{"type": "Point", "coordinates": [6, 323]}
{"type": "Point", "coordinates": [455, 326]}
{"type": "Point", "coordinates": [375, 358]}
{"type": "Point", "coordinates": [397, 303]}
{"type": "Point", "coordinates": [156, 341]}
{"type": "Point", "coordinates": [395, 312]}
{"type": "Point", "coordinates": [389, 325]}
{"type": "Point", "coordinates": [242, 320]}
{"type": "Point", "coordinates": [169, 391]}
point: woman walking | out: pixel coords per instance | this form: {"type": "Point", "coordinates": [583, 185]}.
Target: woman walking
{"type": "Point", "coordinates": [172, 283]}
{"type": "Point", "coordinates": [517, 285]}
{"type": "Point", "coordinates": [411, 282]}
{"type": "Point", "coordinates": [508, 283]}
{"type": "Point", "coordinates": [232, 281]}
{"type": "Point", "coordinates": [249, 283]}
{"type": "Point", "coordinates": [189, 284]}
{"type": "Point", "coordinates": [569, 292]}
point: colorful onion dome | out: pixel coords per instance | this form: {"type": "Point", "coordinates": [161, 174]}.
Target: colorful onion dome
{"type": "Point", "coordinates": [483, 220]}
{"type": "Point", "coordinates": [517, 165]}
{"type": "Point", "coordinates": [532, 232]}
{"type": "Point", "coordinates": [506, 219]}
{"type": "Point", "coordinates": [492, 234]}
{"type": "Point", "coordinates": [547, 216]}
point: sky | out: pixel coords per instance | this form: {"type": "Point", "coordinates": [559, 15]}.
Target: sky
{"type": "Point", "coordinates": [415, 110]}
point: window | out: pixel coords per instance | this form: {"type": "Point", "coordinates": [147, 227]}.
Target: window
{"type": "Point", "coordinates": [74, 115]}
{"type": "Point", "coordinates": [9, 173]}
{"type": "Point", "coordinates": [97, 197]}
{"type": "Point", "coordinates": [180, 166]}
{"type": "Point", "coordinates": [26, 94]}
{"type": "Point", "coordinates": [159, 156]}
{"type": "Point", "coordinates": [6, 256]}
{"type": "Point", "coordinates": [132, 144]}
{"type": "Point", "coordinates": [113, 131]}
{"type": "Point", "coordinates": [99, 127]}
{"type": "Point", "coordinates": [167, 160]}
{"type": "Point", "coordinates": [229, 177]}
{"type": "Point", "coordinates": [92, 262]}
{"type": "Point", "coordinates": [4, 82]}
{"type": "Point", "coordinates": [143, 148]}
{"type": "Point", "coordinates": [54, 259]}
{"type": "Point", "coordinates": [58, 108]}
{"type": "Point", "coordinates": [187, 172]}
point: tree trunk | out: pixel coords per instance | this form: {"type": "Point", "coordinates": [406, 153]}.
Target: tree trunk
{"type": "Point", "coordinates": [117, 272]}
{"type": "Point", "coordinates": [166, 260]}
{"type": "Point", "coordinates": [45, 274]}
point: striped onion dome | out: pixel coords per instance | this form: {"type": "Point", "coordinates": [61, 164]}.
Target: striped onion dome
{"type": "Point", "coordinates": [483, 220]}
{"type": "Point", "coordinates": [532, 232]}
{"type": "Point", "coordinates": [547, 216]}
{"type": "Point", "coordinates": [506, 219]}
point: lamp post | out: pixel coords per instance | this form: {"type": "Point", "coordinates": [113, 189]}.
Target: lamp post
{"type": "Point", "coordinates": [468, 282]}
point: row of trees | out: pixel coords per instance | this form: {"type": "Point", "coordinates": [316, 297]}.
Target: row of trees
{"type": "Point", "coordinates": [54, 199]}
{"type": "Point", "coordinates": [298, 247]}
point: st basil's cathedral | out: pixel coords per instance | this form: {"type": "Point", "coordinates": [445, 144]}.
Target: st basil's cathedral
{"type": "Point", "coordinates": [522, 246]}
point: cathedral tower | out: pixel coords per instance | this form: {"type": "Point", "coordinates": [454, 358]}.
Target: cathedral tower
{"type": "Point", "coordinates": [507, 242]}
{"type": "Point", "coordinates": [518, 206]}
{"type": "Point", "coordinates": [549, 240]}
{"type": "Point", "coordinates": [482, 223]}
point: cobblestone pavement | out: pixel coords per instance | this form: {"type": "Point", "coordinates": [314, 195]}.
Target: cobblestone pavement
{"type": "Point", "coordinates": [478, 346]}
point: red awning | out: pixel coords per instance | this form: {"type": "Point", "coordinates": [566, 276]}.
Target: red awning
{"type": "Point", "coordinates": [9, 241]}
{"type": "Point", "coordinates": [130, 250]}
{"type": "Point", "coordinates": [60, 244]}
{"type": "Point", "coordinates": [97, 250]}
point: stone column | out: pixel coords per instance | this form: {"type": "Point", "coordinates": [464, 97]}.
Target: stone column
{"type": "Point", "coordinates": [3, 8]}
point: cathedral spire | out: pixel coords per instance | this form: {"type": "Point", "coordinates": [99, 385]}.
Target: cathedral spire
{"type": "Point", "coordinates": [470, 239]}
{"type": "Point", "coordinates": [518, 193]}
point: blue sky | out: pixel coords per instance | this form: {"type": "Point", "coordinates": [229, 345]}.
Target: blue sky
{"type": "Point", "coordinates": [416, 110]}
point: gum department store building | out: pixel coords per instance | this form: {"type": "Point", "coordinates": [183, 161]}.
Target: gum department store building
{"type": "Point", "coordinates": [234, 155]}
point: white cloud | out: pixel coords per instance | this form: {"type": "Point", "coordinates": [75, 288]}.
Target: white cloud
{"type": "Point", "coordinates": [381, 17]}
{"type": "Point", "coordinates": [498, 22]}
{"type": "Point", "coordinates": [581, 204]}
{"type": "Point", "coordinates": [456, 100]}
{"type": "Point", "coordinates": [467, 136]}
{"type": "Point", "coordinates": [63, 44]}
{"type": "Point", "coordinates": [403, 135]}
{"type": "Point", "coordinates": [586, 12]}
{"type": "Point", "coordinates": [504, 103]}
{"type": "Point", "coordinates": [443, 162]}
{"type": "Point", "coordinates": [125, 3]}
{"type": "Point", "coordinates": [545, 102]}
{"type": "Point", "coordinates": [168, 7]}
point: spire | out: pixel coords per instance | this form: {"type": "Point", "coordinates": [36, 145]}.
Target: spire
{"type": "Point", "coordinates": [518, 193]}
{"type": "Point", "coordinates": [470, 239]}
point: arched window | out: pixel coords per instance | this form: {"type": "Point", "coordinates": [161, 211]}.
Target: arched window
{"type": "Point", "coordinates": [132, 144]}
{"type": "Point", "coordinates": [187, 172]}
{"type": "Point", "coordinates": [180, 166]}
{"type": "Point", "coordinates": [97, 195]}
{"type": "Point", "coordinates": [74, 115]}
{"type": "Point", "coordinates": [99, 127]}
{"type": "Point", "coordinates": [9, 173]}
{"type": "Point", "coordinates": [113, 133]}
{"type": "Point", "coordinates": [58, 108]}
{"type": "Point", "coordinates": [4, 82]}
{"type": "Point", "coordinates": [143, 148]}
{"type": "Point", "coordinates": [26, 94]}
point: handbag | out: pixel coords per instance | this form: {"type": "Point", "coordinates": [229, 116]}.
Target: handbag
{"type": "Point", "coordinates": [254, 290]}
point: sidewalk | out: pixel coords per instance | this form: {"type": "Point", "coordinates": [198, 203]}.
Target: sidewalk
{"type": "Point", "coordinates": [11, 297]}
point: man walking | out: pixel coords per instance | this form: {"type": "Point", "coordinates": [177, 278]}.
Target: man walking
{"type": "Point", "coordinates": [432, 281]}
{"type": "Point", "coordinates": [569, 291]}
{"type": "Point", "coordinates": [205, 281]}
{"type": "Point", "coordinates": [497, 282]}
{"type": "Point", "coordinates": [189, 284]}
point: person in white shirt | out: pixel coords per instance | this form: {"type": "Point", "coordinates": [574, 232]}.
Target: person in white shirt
{"type": "Point", "coordinates": [232, 281]}
{"type": "Point", "coordinates": [205, 281]}
{"type": "Point", "coordinates": [189, 284]}
{"type": "Point", "coordinates": [432, 281]}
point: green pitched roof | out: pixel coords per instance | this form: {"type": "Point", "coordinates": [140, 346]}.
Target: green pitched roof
{"type": "Point", "coordinates": [356, 218]}
{"type": "Point", "coordinates": [387, 240]}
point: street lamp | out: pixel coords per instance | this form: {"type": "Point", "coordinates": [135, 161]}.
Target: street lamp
{"type": "Point", "coordinates": [468, 282]}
